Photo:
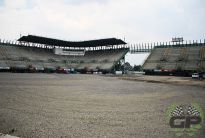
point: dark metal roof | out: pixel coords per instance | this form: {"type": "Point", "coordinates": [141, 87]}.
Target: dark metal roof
{"type": "Point", "coordinates": [56, 42]}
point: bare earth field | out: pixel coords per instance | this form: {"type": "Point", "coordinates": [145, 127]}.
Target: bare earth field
{"type": "Point", "coordinates": [165, 79]}
{"type": "Point", "coordinates": [55, 105]}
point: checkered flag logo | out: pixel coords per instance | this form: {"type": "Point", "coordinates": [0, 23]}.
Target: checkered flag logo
{"type": "Point", "coordinates": [192, 111]}
{"type": "Point", "coordinates": [178, 111]}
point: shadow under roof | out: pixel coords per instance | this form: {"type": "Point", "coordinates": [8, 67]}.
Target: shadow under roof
{"type": "Point", "coordinates": [56, 42]}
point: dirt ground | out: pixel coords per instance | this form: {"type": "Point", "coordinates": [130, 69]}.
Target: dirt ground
{"type": "Point", "coordinates": [166, 79]}
{"type": "Point", "coordinates": [57, 105]}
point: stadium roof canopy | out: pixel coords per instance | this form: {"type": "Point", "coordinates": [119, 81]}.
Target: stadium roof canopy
{"type": "Point", "coordinates": [56, 42]}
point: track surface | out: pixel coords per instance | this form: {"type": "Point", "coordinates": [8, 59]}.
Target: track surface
{"type": "Point", "coordinates": [55, 105]}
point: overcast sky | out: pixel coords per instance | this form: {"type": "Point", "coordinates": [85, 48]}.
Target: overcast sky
{"type": "Point", "coordinates": [137, 21]}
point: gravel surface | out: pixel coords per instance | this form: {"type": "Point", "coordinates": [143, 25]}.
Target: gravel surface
{"type": "Point", "coordinates": [165, 79]}
{"type": "Point", "coordinates": [57, 105]}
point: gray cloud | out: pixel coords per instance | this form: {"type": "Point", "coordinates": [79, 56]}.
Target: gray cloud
{"type": "Point", "coordinates": [77, 2]}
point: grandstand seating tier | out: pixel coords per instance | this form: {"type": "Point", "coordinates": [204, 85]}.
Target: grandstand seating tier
{"type": "Point", "coordinates": [173, 58]}
{"type": "Point", "coordinates": [22, 56]}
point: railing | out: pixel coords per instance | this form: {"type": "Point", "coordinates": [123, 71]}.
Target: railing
{"type": "Point", "coordinates": [133, 48]}
{"type": "Point", "coordinates": [147, 47]}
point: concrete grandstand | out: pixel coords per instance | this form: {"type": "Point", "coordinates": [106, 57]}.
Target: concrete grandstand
{"type": "Point", "coordinates": [40, 54]}
{"type": "Point", "coordinates": [178, 59]}
{"type": "Point", "coordinates": [35, 53]}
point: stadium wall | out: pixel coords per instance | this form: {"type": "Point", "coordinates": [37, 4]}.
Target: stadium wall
{"type": "Point", "coordinates": [24, 58]}
{"type": "Point", "coordinates": [176, 60]}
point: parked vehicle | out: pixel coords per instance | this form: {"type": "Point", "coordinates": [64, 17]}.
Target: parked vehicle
{"type": "Point", "coordinates": [62, 70]}
{"type": "Point", "coordinates": [200, 75]}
